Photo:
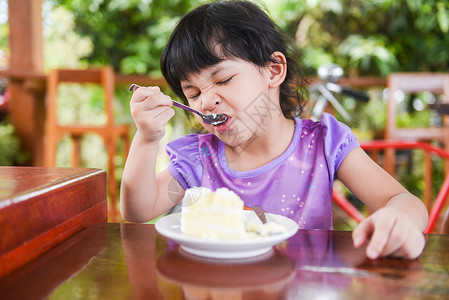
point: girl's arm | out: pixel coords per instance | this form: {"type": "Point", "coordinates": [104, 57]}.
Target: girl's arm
{"type": "Point", "coordinates": [399, 219]}
{"type": "Point", "coordinates": [143, 194]}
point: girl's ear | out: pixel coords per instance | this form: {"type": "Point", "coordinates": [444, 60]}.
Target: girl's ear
{"type": "Point", "coordinates": [277, 69]}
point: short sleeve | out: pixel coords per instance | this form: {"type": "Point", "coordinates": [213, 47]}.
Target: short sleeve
{"type": "Point", "coordinates": [185, 163]}
{"type": "Point", "coordinates": [339, 140]}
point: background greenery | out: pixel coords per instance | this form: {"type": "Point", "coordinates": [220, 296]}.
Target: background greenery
{"type": "Point", "coordinates": [365, 37]}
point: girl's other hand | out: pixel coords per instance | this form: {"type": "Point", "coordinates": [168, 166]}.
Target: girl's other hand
{"type": "Point", "coordinates": [391, 233]}
{"type": "Point", "coordinates": [151, 111]}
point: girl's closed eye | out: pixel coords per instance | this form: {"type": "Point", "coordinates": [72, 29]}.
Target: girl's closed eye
{"type": "Point", "coordinates": [226, 81]}
{"type": "Point", "coordinates": [194, 96]}
{"type": "Point", "coordinates": [222, 82]}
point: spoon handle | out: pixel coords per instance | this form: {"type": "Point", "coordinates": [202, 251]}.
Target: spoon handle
{"type": "Point", "coordinates": [134, 87]}
{"type": "Point", "coordinates": [260, 213]}
{"type": "Point", "coordinates": [180, 105]}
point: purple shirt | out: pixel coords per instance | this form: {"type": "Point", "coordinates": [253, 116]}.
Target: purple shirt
{"type": "Point", "coordinates": [297, 184]}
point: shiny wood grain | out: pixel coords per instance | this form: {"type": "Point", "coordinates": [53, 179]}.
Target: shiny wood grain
{"type": "Point", "coordinates": [132, 261]}
{"type": "Point", "coordinates": [40, 207]}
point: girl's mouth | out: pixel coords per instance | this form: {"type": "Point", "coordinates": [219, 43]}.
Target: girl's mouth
{"type": "Point", "coordinates": [225, 126]}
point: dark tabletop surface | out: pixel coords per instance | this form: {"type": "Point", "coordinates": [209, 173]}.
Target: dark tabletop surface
{"type": "Point", "coordinates": [132, 261]}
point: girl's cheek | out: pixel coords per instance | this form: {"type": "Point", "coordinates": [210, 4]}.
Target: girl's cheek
{"type": "Point", "coordinates": [195, 104]}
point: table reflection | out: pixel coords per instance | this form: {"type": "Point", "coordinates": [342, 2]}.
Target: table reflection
{"type": "Point", "coordinates": [327, 265]}
{"type": "Point", "coordinates": [262, 277]}
{"type": "Point", "coordinates": [39, 278]}
{"type": "Point", "coordinates": [177, 274]}
{"type": "Point", "coordinates": [132, 261]}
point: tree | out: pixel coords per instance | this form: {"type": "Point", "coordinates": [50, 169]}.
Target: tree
{"type": "Point", "coordinates": [370, 37]}
{"type": "Point", "coordinates": [366, 37]}
{"type": "Point", "coordinates": [127, 34]}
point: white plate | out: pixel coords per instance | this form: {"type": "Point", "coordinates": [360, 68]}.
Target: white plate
{"type": "Point", "coordinates": [169, 226]}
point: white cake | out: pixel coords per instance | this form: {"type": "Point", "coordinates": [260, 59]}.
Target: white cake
{"type": "Point", "coordinates": [213, 215]}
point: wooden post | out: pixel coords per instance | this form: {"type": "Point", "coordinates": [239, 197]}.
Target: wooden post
{"type": "Point", "coordinates": [26, 74]}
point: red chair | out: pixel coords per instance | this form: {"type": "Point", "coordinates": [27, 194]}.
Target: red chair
{"type": "Point", "coordinates": [408, 84]}
{"type": "Point", "coordinates": [438, 204]}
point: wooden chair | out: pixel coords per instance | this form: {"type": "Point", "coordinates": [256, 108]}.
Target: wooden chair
{"type": "Point", "coordinates": [110, 132]}
{"type": "Point", "coordinates": [410, 83]}
{"type": "Point", "coordinates": [445, 226]}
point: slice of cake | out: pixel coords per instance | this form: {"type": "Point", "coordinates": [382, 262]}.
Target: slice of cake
{"type": "Point", "coordinates": [213, 215]}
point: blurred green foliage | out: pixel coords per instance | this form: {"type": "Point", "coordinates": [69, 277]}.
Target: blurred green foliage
{"type": "Point", "coordinates": [82, 104]}
{"type": "Point", "coordinates": [127, 34]}
{"type": "Point", "coordinates": [63, 47]}
{"type": "Point", "coordinates": [366, 37]}
{"type": "Point", "coordinates": [374, 37]}
{"type": "Point", "coordinates": [10, 153]}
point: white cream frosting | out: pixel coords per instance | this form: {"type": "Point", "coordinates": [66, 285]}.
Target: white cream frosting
{"type": "Point", "coordinates": [220, 215]}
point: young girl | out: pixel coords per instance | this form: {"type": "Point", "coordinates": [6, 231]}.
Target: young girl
{"type": "Point", "coordinates": [229, 57]}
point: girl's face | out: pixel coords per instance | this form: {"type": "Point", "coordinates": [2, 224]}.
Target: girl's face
{"type": "Point", "coordinates": [238, 89]}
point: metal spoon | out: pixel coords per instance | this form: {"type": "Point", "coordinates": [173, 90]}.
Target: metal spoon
{"type": "Point", "coordinates": [213, 119]}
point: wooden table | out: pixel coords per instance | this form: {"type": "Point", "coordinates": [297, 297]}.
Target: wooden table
{"type": "Point", "coordinates": [41, 207]}
{"type": "Point", "coordinates": [132, 261]}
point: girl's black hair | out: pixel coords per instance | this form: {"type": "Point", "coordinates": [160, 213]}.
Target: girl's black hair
{"type": "Point", "coordinates": [240, 29]}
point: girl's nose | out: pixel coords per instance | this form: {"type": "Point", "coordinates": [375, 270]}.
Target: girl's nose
{"type": "Point", "coordinates": [210, 102]}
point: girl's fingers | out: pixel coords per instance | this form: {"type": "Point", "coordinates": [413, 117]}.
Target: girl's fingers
{"type": "Point", "coordinates": [412, 247]}
{"type": "Point", "coordinates": [152, 103]}
{"type": "Point", "coordinates": [165, 115]}
{"type": "Point", "coordinates": [397, 239]}
{"type": "Point", "coordinates": [159, 116]}
{"type": "Point", "coordinates": [377, 229]}
{"type": "Point", "coordinates": [151, 124]}
{"type": "Point", "coordinates": [150, 93]}
{"type": "Point", "coordinates": [388, 235]}
{"type": "Point", "coordinates": [151, 111]}
{"type": "Point", "coordinates": [142, 93]}
{"type": "Point", "coordinates": [362, 232]}
{"type": "Point", "coordinates": [379, 238]}
{"type": "Point", "coordinates": [150, 106]}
